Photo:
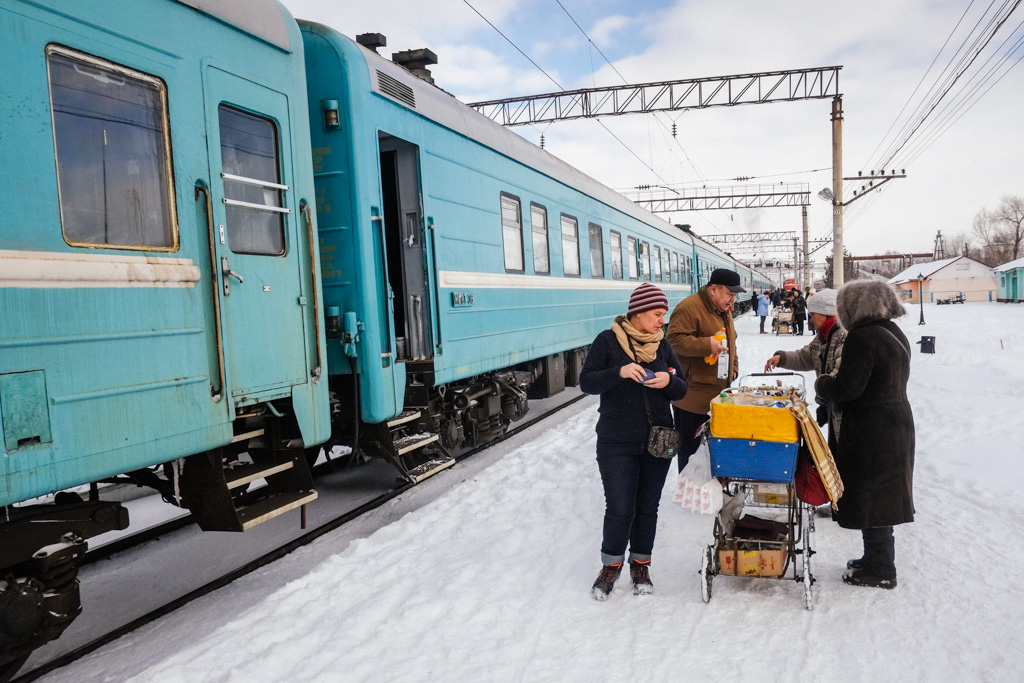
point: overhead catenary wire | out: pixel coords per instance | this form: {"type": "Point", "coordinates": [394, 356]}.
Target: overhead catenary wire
{"type": "Point", "coordinates": [559, 86]}
{"type": "Point", "coordinates": [961, 84]}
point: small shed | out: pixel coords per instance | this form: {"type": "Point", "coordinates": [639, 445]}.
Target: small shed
{"type": "Point", "coordinates": [957, 277]}
{"type": "Point", "coordinates": [1010, 281]}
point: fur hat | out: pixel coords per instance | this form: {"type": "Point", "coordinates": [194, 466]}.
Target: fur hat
{"type": "Point", "coordinates": [823, 302]}
{"type": "Point", "coordinates": [646, 297]}
{"type": "Point", "coordinates": [863, 301]}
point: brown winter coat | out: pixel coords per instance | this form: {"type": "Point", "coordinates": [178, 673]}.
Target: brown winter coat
{"type": "Point", "coordinates": [692, 325]}
{"type": "Point", "coordinates": [874, 447]}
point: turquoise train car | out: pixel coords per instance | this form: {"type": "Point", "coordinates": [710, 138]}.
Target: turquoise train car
{"type": "Point", "coordinates": [160, 309]}
{"type": "Point", "coordinates": [472, 267]}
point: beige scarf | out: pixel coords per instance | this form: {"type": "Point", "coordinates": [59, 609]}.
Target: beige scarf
{"type": "Point", "coordinates": [646, 345]}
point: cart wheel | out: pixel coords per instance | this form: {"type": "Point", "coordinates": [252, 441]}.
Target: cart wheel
{"type": "Point", "coordinates": [808, 577]}
{"type": "Point", "coordinates": [707, 573]}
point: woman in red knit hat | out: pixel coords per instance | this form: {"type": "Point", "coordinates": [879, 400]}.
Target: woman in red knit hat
{"type": "Point", "coordinates": [635, 371]}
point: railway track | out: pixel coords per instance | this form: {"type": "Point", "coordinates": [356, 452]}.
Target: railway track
{"type": "Point", "coordinates": [134, 540]}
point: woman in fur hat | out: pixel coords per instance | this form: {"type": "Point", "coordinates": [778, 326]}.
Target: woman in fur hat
{"type": "Point", "coordinates": [624, 363]}
{"type": "Point", "coordinates": [874, 435]}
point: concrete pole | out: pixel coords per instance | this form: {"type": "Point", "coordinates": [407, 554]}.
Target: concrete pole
{"type": "Point", "coordinates": [807, 256]}
{"type": "Point", "coordinates": [837, 193]}
{"type": "Point", "coordinates": [796, 264]}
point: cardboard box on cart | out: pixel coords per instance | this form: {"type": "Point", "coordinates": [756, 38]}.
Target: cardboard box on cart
{"type": "Point", "coordinates": [752, 562]}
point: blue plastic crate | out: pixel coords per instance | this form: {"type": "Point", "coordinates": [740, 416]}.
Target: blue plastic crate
{"type": "Point", "coordinates": [756, 460]}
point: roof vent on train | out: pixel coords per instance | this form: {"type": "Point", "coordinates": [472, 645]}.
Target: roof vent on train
{"type": "Point", "coordinates": [417, 62]}
{"type": "Point", "coordinates": [372, 40]}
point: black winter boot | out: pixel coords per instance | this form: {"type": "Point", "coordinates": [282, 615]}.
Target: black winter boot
{"type": "Point", "coordinates": [606, 581]}
{"type": "Point", "coordinates": [641, 576]}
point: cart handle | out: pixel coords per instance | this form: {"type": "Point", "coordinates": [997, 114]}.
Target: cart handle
{"type": "Point", "coordinates": [803, 380]}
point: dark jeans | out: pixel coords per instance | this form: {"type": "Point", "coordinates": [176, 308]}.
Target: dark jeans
{"type": "Point", "coordinates": [688, 424]}
{"type": "Point", "coordinates": [762, 321]}
{"type": "Point", "coordinates": [799, 320]}
{"type": "Point", "coordinates": [633, 480]}
{"type": "Point", "coordinates": [879, 552]}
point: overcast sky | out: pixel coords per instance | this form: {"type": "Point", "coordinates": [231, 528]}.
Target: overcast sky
{"type": "Point", "coordinates": [885, 48]}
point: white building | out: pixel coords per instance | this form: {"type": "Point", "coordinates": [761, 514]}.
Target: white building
{"type": "Point", "coordinates": [947, 278]}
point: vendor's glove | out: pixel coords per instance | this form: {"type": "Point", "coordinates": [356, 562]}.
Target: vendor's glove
{"type": "Point", "coordinates": [821, 415]}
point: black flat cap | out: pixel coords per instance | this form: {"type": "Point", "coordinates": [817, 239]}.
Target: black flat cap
{"type": "Point", "coordinates": [726, 278]}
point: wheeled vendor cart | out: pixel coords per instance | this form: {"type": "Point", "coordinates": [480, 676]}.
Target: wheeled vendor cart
{"type": "Point", "coordinates": [763, 530]}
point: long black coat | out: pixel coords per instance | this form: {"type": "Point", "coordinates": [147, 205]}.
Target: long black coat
{"type": "Point", "coordinates": [875, 447]}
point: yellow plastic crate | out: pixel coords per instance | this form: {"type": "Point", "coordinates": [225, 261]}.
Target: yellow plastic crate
{"type": "Point", "coordinates": [756, 423]}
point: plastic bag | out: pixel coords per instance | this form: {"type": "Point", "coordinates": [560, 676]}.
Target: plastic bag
{"type": "Point", "coordinates": [696, 489]}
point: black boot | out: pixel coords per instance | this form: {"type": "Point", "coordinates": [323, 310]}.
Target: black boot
{"type": "Point", "coordinates": [606, 581]}
{"type": "Point", "coordinates": [859, 577]}
{"type": "Point", "coordinates": [639, 572]}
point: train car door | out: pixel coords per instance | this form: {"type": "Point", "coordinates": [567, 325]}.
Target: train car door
{"type": "Point", "coordinates": [256, 247]}
{"type": "Point", "coordinates": [403, 227]}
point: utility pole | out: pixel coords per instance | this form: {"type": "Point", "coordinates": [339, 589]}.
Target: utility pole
{"type": "Point", "coordinates": [807, 256]}
{"type": "Point", "coordinates": [837, 192]}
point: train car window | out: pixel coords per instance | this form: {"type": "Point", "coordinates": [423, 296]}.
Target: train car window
{"type": "Point", "coordinates": [645, 261]}
{"type": "Point", "coordinates": [616, 240]}
{"type": "Point", "coordinates": [675, 267]}
{"type": "Point", "coordinates": [539, 228]}
{"type": "Point", "coordinates": [657, 263]}
{"type": "Point", "coordinates": [253, 193]}
{"type": "Point", "coordinates": [666, 265]}
{"type": "Point", "coordinates": [512, 233]}
{"type": "Point", "coordinates": [570, 247]}
{"type": "Point", "coordinates": [110, 133]}
{"type": "Point", "coordinates": [688, 276]}
{"type": "Point", "coordinates": [596, 250]}
{"type": "Point", "coordinates": [631, 254]}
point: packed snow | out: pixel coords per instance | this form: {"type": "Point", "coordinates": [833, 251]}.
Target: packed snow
{"type": "Point", "coordinates": [491, 580]}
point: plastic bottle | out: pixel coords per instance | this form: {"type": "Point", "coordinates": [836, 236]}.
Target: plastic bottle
{"type": "Point", "coordinates": [723, 365]}
{"type": "Point", "coordinates": [713, 358]}
{"type": "Point", "coordinates": [725, 398]}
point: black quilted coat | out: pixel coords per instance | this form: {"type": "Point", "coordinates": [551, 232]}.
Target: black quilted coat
{"type": "Point", "coordinates": [874, 449]}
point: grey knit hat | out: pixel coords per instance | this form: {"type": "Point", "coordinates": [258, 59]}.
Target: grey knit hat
{"type": "Point", "coordinates": [823, 302]}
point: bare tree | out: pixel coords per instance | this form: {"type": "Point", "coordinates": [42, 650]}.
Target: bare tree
{"type": "Point", "coordinates": [960, 244]}
{"type": "Point", "coordinates": [1010, 219]}
{"type": "Point", "coordinates": [986, 229]}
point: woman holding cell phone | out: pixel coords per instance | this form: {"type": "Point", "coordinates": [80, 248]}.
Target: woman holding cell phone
{"type": "Point", "coordinates": [635, 371]}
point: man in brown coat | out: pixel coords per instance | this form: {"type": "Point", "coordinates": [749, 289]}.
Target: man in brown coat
{"type": "Point", "coordinates": [691, 331]}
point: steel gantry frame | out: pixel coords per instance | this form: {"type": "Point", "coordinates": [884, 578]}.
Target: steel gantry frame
{"type": "Point", "coordinates": [735, 197]}
{"type": "Point", "coordinates": [689, 93]}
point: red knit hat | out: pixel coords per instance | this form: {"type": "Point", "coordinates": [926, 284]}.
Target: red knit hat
{"type": "Point", "coordinates": [646, 297]}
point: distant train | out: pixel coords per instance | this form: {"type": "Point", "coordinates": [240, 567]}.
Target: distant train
{"type": "Point", "coordinates": [229, 239]}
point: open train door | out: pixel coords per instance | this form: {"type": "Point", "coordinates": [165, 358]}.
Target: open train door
{"type": "Point", "coordinates": [405, 237]}
{"type": "Point", "coordinates": [256, 248]}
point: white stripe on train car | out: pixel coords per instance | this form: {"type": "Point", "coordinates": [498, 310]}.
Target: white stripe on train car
{"type": "Point", "coordinates": [453, 279]}
{"type": "Point", "coordinates": [54, 269]}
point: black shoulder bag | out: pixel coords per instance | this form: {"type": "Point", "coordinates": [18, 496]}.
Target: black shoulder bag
{"type": "Point", "coordinates": [662, 442]}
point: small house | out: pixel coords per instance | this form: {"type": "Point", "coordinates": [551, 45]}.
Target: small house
{"type": "Point", "coordinates": [960, 277]}
{"type": "Point", "coordinates": [1010, 281]}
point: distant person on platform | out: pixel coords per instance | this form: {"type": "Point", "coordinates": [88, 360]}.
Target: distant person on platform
{"type": "Point", "coordinates": [764, 309]}
{"type": "Point", "coordinates": [799, 311]}
{"type": "Point", "coordinates": [824, 352]}
{"type": "Point", "coordinates": [691, 331]}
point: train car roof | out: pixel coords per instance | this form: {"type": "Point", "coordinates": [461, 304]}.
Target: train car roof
{"type": "Point", "coordinates": [401, 86]}
{"type": "Point", "coordinates": [265, 19]}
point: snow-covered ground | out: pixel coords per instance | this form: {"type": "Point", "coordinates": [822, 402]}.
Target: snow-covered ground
{"type": "Point", "coordinates": [491, 581]}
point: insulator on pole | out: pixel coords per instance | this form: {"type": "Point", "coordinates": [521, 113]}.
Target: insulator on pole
{"type": "Point", "coordinates": [542, 140]}
{"type": "Point", "coordinates": [673, 130]}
